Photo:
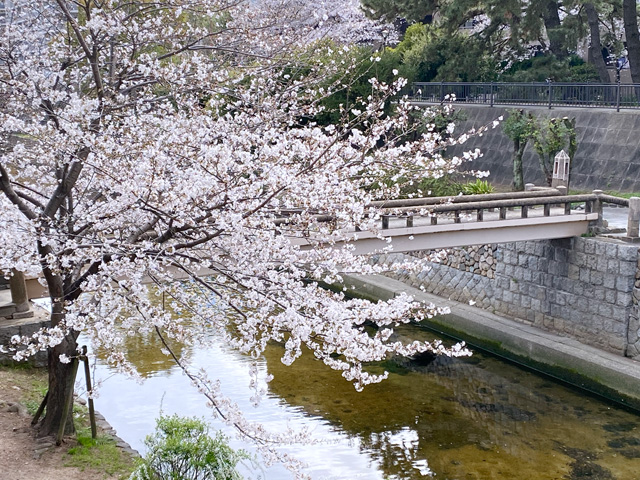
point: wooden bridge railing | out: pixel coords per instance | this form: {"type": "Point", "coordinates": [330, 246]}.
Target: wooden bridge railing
{"type": "Point", "coordinates": [502, 202]}
{"type": "Point", "coordinates": [545, 197]}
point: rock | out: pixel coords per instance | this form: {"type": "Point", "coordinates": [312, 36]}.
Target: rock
{"type": "Point", "coordinates": [14, 407]}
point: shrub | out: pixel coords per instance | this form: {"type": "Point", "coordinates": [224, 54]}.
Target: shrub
{"type": "Point", "coordinates": [477, 187]}
{"type": "Point", "coordinates": [181, 449]}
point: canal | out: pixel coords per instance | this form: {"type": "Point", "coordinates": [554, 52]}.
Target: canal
{"type": "Point", "coordinates": [474, 418]}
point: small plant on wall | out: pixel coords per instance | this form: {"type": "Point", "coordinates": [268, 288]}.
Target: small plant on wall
{"type": "Point", "coordinates": [477, 188]}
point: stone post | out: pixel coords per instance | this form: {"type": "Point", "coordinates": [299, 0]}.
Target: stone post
{"type": "Point", "coordinates": [19, 291]}
{"type": "Point", "coordinates": [633, 221]}
{"type": "Point", "coordinates": [598, 227]}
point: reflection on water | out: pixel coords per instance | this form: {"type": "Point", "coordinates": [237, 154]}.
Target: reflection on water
{"type": "Point", "coordinates": [451, 419]}
{"type": "Point", "coordinates": [146, 351]}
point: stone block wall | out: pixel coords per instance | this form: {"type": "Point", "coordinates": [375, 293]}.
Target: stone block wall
{"type": "Point", "coordinates": [584, 288]}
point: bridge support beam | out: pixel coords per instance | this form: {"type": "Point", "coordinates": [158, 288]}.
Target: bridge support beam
{"type": "Point", "coordinates": [428, 237]}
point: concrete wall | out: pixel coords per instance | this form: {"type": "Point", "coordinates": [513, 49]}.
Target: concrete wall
{"type": "Point", "coordinates": [584, 288]}
{"type": "Point", "coordinates": [608, 155]}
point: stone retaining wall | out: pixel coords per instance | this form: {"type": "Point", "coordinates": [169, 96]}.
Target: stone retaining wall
{"type": "Point", "coordinates": [584, 288]}
{"type": "Point", "coordinates": [23, 327]}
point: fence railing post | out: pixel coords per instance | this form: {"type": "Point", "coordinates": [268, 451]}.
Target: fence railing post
{"type": "Point", "coordinates": [441, 91]}
{"type": "Point", "coordinates": [491, 94]}
{"type": "Point", "coordinates": [633, 221]}
{"type": "Point", "coordinates": [597, 208]}
{"type": "Point", "coordinates": [550, 93]}
{"type": "Point", "coordinates": [618, 96]}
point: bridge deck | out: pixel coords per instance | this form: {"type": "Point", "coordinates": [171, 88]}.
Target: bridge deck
{"type": "Point", "coordinates": [462, 229]}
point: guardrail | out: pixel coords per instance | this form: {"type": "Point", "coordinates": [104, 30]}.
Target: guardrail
{"type": "Point", "coordinates": [547, 94]}
{"type": "Point", "coordinates": [546, 198]}
{"type": "Point", "coordinates": [554, 202]}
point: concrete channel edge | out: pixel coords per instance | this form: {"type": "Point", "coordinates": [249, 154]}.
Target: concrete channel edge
{"type": "Point", "coordinates": [605, 374]}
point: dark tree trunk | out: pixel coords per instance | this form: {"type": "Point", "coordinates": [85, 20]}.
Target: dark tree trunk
{"type": "Point", "coordinates": [553, 26]}
{"type": "Point", "coordinates": [61, 375]}
{"type": "Point", "coordinates": [630, 16]}
{"type": "Point", "coordinates": [547, 168]}
{"type": "Point", "coordinates": [518, 175]}
{"type": "Point", "coordinates": [595, 47]}
{"type": "Point", "coordinates": [61, 382]}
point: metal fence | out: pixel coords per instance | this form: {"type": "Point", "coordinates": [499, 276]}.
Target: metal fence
{"type": "Point", "coordinates": [549, 94]}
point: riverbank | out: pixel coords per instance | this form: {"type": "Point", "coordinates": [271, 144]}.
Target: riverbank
{"type": "Point", "coordinates": [25, 457]}
{"type": "Point", "coordinates": [609, 375]}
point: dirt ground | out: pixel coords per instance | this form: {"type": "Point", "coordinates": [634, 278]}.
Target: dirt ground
{"type": "Point", "coordinates": [22, 455]}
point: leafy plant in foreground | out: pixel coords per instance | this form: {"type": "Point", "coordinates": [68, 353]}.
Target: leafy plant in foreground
{"type": "Point", "coordinates": [181, 449]}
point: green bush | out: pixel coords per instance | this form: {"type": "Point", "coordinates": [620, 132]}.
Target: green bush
{"type": "Point", "coordinates": [445, 186]}
{"type": "Point", "coordinates": [181, 449]}
{"type": "Point", "coordinates": [477, 188]}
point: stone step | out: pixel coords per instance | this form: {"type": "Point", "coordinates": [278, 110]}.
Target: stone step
{"type": "Point", "coordinates": [7, 309]}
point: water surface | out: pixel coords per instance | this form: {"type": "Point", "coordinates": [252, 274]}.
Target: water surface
{"type": "Point", "coordinates": [451, 419]}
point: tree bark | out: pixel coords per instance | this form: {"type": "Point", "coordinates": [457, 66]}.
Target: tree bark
{"type": "Point", "coordinates": [61, 375]}
{"type": "Point", "coordinates": [595, 47]}
{"type": "Point", "coordinates": [553, 26]}
{"type": "Point", "coordinates": [61, 383]}
{"type": "Point", "coordinates": [518, 175]}
{"type": "Point", "coordinates": [630, 16]}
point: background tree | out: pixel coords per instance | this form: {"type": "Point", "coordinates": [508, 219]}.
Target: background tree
{"type": "Point", "coordinates": [164, 143]}
{"type": "Point", "coordinates": [508, 32]}
{"type": "Point", "coordinates": [427, 53]}
{"type": "Point", "coordinates": [632, 36]}
{"type": "Point", "coordinates": [550, 135]}
{"type": "Point", "coordinates": [595, 45]}
{"type": "Point", "coordinates": [518, 126]}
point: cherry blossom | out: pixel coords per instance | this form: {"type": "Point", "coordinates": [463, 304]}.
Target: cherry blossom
{"type": "Point", "coordinates": [169, 150]}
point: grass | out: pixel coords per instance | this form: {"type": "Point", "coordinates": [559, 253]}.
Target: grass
{"type": "Point", "coordinates": [99, 454]}
{"type": "Point", "coordinates": [613, 193]}
{"type": "Point", "coordinates": [622, 194]}
{"type": "Point", "coordinates": [29, 381]}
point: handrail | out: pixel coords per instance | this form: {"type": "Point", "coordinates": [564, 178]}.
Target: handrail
{"type": "Point", "coordinates": [507, 203]}
{"type": "Point", "coordinates": [548, 94]}
{"type": "Point", "coordinates": [463, 198]}
{"type": "Point", "coordinates": [407, 209]}
{"type": "Point", "coordinates": [623, 202]}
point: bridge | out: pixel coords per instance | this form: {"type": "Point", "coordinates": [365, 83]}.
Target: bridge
{"type": "Point", "coordinates": [441, 222]}
{"type": "Point", "coordinates": [445, 222]}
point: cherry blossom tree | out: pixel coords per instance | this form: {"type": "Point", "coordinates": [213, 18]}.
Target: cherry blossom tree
{"type": "Point", "coordinates": [168, 148]}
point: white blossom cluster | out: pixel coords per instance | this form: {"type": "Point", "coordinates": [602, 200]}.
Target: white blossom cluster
{"type": "Point", "coordinates": [169, 150]}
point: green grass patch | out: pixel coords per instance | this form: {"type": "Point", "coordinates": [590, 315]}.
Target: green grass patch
{"type": "Point", "coordinates": [613, 193]}
{"type": "Point", "coordinates": [622, 194]}
{"type": "Point", "coordinates": [101, 453]}
{"type": "Point", "coordinates": [28, 381]}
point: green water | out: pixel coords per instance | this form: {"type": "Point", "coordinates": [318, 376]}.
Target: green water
{"type": "Point", "coordinates": [451, 419]}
